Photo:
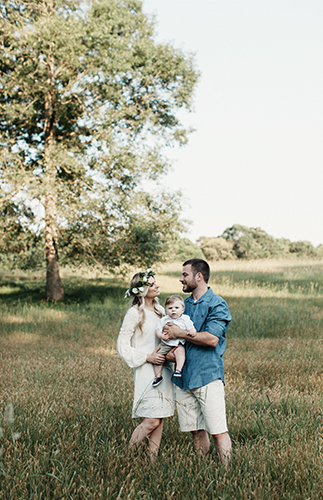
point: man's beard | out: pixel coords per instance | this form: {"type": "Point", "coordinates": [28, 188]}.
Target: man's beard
{"type": "Point", "coordinates": [189, 288]}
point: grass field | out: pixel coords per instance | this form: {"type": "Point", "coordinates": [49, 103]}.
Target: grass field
{"type": "Point", "coordinates": [66, 397]}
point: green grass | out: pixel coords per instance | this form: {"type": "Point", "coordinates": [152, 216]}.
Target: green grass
{"type": "Point", "coordinates": [72, 395]}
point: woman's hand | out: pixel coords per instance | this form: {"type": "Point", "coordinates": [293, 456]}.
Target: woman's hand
{"type": "Point", "coordinates": [155, 358]}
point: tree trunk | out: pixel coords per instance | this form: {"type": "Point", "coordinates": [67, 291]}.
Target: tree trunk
{"type": "Point", "coordinates": [54, 289]}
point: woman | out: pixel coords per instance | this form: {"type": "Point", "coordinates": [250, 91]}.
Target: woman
{"type": "Point", "coordinates": [137, 346]}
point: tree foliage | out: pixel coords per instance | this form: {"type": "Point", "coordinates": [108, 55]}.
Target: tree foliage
{"type": "Point", "coordinates": [17, 242]}
{"type": "Point", "coordinates": [216, 248]}
{"type": "Point", "coordinates": [242, 242]}
{"type": "Point", "coordinates": [255, 243]}
{"type": "Point", "coordinates": [184, 249]}
{"type": "Point", "coordinates": [303, 249]}
{"type": "Point", "coordinates": [87, 101]}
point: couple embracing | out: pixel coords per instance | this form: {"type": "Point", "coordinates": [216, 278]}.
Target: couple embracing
{"type": "Point", "coordinates": [198, 386]}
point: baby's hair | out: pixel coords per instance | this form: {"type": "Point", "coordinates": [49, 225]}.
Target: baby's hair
{"type": "Point", "coordinates": [174, 298]}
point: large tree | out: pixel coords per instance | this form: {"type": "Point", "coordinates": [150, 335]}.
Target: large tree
{"type": "Point", "coordinates": [87, 101]}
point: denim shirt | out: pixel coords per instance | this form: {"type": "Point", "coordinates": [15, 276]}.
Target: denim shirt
{"type": "Point", "coordinates": [204, 364]}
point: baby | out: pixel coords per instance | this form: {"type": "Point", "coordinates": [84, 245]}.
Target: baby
{"type": "Point", "coordinates": [174, 307]}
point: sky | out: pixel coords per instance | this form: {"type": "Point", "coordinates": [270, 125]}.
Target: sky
{"type": "Point", "coordinates": [256, 155]}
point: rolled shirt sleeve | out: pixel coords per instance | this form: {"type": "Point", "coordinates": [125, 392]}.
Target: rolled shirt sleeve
{"type": "Point", "coordinates": [217, 319]}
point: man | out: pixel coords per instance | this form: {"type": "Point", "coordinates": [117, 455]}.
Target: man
{"type": "Point", "coordinates": [200, 390]}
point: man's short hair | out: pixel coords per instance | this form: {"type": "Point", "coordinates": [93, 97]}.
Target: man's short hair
{"type": "Point", "coordinates": [199, 266]}
{"type": "Point", "coordinates": [174, 298]}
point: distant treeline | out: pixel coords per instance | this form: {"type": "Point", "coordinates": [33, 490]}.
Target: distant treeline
{"type": "Point", "coordinates": [241, 242]}
{"type": "Point", "coordinates": [22, 249]}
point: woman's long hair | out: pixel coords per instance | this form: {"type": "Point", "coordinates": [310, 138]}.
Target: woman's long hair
{"type": "Point", "coordinates": [139, 302]}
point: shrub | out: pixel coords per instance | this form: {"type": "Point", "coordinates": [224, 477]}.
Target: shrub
{"type": "Point", "coordinates": [184, 249]}
{"type": "Point", "coordinates": [216, 248]}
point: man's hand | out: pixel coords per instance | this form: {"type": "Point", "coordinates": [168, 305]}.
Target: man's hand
{"type": "Point", "coordinates": [191, 332]}
{"type": "Point", "coordinates": [170, 356]}
{"type": "Point", "coordinates": [173, 331]}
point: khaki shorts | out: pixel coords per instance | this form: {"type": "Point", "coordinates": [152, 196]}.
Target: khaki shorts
{"type": "Point", "coordinates": [202, 408]}
{"type": "Point", "coordinates": [165, 348]}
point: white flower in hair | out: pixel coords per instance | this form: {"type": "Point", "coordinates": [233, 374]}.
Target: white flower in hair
{"type": "Point", "coordinates": [143, 281]}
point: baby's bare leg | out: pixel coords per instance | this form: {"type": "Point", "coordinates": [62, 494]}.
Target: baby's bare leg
{"type": "Point", "coordinates": [180, 357]}
{"type": "Point", "coordinates": [157, 370]}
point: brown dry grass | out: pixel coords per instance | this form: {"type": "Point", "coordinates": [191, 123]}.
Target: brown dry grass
{"type": "Point", "coordinates": [72, 395]}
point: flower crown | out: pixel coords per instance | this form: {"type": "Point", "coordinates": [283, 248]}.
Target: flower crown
{"type": "Point", "coordinates": [142, 282]}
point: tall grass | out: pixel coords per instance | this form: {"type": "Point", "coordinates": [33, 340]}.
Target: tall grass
{"type": "Point", "coordinates": [71, 394]}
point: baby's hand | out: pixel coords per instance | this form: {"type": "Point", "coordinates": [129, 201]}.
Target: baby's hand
{"type": "Point", "coordinates": [165, 336]}
{"type": "Point", "coordinates": [191, 333]}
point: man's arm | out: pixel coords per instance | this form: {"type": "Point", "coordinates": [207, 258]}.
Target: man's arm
{"type": "Point", "coordinates": [201, 338]}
